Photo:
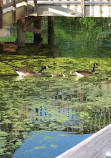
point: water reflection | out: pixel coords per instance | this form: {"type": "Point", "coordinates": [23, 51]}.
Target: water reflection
{"type": "Point", "coordinates": [51, 104]}
{"type": "Point", "coordinates": [56, 104]}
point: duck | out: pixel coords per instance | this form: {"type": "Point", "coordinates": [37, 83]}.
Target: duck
{"type": "Point", "coordinates": [68, 75]}
{"type": "Point", "coordinates": [82, 73]}
{"type": "Point", "coordinates": [24, 73]}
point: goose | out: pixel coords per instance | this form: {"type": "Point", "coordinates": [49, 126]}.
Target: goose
{"type": "Point", "coordinates": [67, 75]}
{"type": "Point", "coordinates": [30, 72]}
{"type": "Point", "coordinates": [56, 75]}
{"type": "Point", "coordinates": [82, 73]}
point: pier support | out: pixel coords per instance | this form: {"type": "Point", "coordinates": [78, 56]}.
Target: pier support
{"type": "Point", "coordinates": [50, 31]}
{"type": "Point", "coordinates": [21, 29]}
{"type": "Point", "coordinates": [37, 35]}
{"type": "Point", "coordinates": [14, 11]}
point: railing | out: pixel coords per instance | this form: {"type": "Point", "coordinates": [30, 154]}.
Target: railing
{"type": "Point", "coordinates": [96, 146]}
{"type": "Point", "coordinates": [4, 4]}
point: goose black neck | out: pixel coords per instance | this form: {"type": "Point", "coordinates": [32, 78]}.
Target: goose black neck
{"type": "Point", "coordinates": [42, 69]}
{"type": "Point", "coordinates": [93, 70]}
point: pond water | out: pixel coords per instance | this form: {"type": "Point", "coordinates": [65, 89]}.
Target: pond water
{"type": "Point", "coordinates": [46, 112]}
{"type": "Point", "coordinates": [48, 144]}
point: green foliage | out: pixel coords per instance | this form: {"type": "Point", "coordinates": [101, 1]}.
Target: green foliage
{"type": "Point", "coordinates": [12, 38]}
{"type": "Point", "coordinates": [47, 137]}
{"type": "Point", "coordinates": [40, 147]}
{"type": "Point", "coordinates": [53, 146]}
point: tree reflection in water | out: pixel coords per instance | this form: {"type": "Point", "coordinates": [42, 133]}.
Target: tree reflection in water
{"type": "Point", "coordinates": [48, 104]}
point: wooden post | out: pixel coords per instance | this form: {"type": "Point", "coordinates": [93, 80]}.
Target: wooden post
{"type": "Point", "coordinates": [50, 30]}
{"type": "Point", "coordinates": [21, 33]}
{"type": "Point", "coordinates": [35, 7]}
{"type": "Point", "coordinates": [14, 11]}
{"type": "Point", "coordinates": [82, 8]}
{"type": "Point", "coordinates": [37, 36]}
{"type": "Point", "coordinates": [1, 14]}
{"type": "Point", "coordinates": [26, 8]}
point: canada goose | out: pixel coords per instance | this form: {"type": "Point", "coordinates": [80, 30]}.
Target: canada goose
{"type": "Point", "coordinates": [30, 72]}
{"type": "Point", "coordinates": [67, 75]}
{"type": "Point", "coordinates": [82, 73]}
{"type": "Point", "coordinates": [56, 75]}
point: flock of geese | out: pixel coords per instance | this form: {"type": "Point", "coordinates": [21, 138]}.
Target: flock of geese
{"type": "Point", "coordinates": [79, 73]}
